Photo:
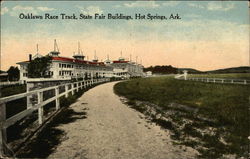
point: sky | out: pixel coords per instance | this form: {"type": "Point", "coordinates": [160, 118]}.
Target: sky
{"type": "Point", "coordinates": [210, 34]}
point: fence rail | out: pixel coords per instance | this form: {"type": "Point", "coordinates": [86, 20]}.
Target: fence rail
{"type": "Point", "coordinates": [218, 80]}
{"type": "Point", "coordinates": [9, 83]}
{"type": "Point", "coordinates": [69, 87]}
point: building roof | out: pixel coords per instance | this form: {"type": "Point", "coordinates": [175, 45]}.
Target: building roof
{"type": "Point", "coordinates": [3, 74]}
{"type": "Point", "coordinates": [67, 59]}
{"type": "Point", "coordinates": [37, 56]}
{"type": "Point", "coordinates": [22, 62]}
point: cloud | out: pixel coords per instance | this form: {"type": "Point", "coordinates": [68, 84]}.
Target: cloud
{"type": "Point", "coordinates": [192, 30]}
{"type": "Point", "coordinates": [91, 10]}
{"type": "Point", "coordinates": [193, 15]}
{"type": "Point", "coordinates": [18, 8]}
{"type": "Point", "coordinates": [138, 4]}
{"type": "Point", "coordinates": [214, 6]}
{"type": "Point", "coordinates": [117, 6]}
{"type": "Point", "coordinates": [170, 3]}
{"type": "Point", "coordinates": [22, 9]}
{"type": "Point", "coordinates": [219, 7]}
{"type": "Point", "coordinates": [196, 5]}
{"type": "Point", "coordinates": [45, 9]}
{"type": "Point", "coordinates": [4, 10]}
{"type": "Point", "coordinates": [28, 9]}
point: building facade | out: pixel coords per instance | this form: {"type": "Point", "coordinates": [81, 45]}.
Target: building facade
{"type": "Point", "coordinates": [126, 69]}
{"type": "Point", "coordinates": [77, 67]}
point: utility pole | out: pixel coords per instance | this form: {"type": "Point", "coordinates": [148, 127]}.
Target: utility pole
{"type": "Point", "coordinates": [37, 48]}
{"type": "Point", "coordinates": [78, 47]}
{"type": "Point", "coordinates": [95, 58]}
{"type": "Point", "coordinates": [55, 45]}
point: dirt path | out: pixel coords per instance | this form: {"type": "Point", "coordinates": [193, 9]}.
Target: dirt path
{"type": "Point", "coordinates": [112, 131]}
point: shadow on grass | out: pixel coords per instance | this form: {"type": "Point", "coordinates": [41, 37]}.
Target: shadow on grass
{"type": "Point", "coordinates": [51, 136]}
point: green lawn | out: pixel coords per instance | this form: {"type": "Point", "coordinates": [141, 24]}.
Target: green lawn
{"type": "Point", "coordinates": [226, 104]}
{"type": "Point", "coordinates": [12, 90]}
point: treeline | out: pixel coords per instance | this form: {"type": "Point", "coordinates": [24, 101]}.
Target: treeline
{"type": "Point", "coordinates": [13, 74]}
{"type": "Point", "coordinates": [161, 69]}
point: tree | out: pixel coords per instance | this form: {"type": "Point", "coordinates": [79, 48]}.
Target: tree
{"type": "Point", "coordinates": [39, 67]}
{"type": "Point", "coordinates": [13, 73]}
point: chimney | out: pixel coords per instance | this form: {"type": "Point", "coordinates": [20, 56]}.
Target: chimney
{"type": "Point", "coordinates": [30, 57]}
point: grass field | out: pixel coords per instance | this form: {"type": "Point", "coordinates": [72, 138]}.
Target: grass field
{"type": "Point", "coordinates": [16, 106]}
{"type": "Point", "coordinates": [11, 90]}
{"type": "Point", "coordinates": [225, 107]}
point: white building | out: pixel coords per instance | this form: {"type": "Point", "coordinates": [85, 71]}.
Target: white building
{"type": "Point", "coordinates": [77, 67]}
{"type": "Point", "coordinates": [67, 68]}
{"type": "Point", "coordinates": [126, 69]}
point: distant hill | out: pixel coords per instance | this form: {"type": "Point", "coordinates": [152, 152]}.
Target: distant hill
{"type": "Point", "coordinates": [242, 69]}
{"type": "Point", "coordinates": [168, 69]}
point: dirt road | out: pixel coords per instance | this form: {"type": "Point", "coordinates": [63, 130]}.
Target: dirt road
{"type": "Point", "coordinates": [112, 130]}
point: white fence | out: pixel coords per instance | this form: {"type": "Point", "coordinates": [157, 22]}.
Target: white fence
{"type": "Point", "coordinates": [218, 80]}
{"type": "Point", "coordinates": [8, 83]}
{"type": "Point", "coordinates": [69, 87]}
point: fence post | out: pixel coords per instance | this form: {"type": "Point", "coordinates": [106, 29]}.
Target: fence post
{"type": "Point", "coordinates": [28, 86]}
{"type": "Point", "coordinates": [77, 86]}
{"type": "Point", "coordinates": [40, 109]}
{"type": "Point", "coordinates": [3, 136]}
{"type": "Point", "coordinates": [57, 99]}
{"type": "Point", "coordinates": [66, 90]}
{"type": "Point", "coordinates": [72, 88]}
{"type": "Point", "coordinates": [245, 81]}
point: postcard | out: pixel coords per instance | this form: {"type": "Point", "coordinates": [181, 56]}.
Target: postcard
{"type": "Point", "coordinates": [125, 79]}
